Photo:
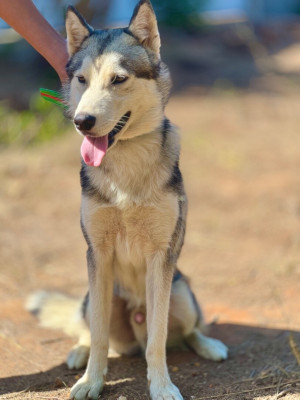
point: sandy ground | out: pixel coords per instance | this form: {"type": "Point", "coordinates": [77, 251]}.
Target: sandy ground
{"type": "Point", "coordinates": [241, 163]}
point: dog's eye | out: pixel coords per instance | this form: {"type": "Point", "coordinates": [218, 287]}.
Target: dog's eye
{"type": "Point", "coordinates": [81, 79]}
{"type": "Point", "coordinates": [118, 79]}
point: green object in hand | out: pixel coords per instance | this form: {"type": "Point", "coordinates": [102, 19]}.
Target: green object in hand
{"type": "Point", "coordinates": [53, 97]}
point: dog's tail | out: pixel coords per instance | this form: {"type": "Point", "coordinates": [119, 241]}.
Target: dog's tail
{"type": "Point", "coordinates": [57, 311]}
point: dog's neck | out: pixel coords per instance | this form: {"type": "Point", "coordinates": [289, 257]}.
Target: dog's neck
{"type": "Point", "coordinates": [137, 169]}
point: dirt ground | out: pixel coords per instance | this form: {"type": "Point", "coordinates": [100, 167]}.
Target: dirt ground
{"type": "Point", "coordinates": [241, 163]}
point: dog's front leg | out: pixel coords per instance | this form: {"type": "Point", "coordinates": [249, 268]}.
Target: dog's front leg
{"type": "Point", "coordinates": [101, 287]}
{"type": "Point", "coordinates": [158, 288]}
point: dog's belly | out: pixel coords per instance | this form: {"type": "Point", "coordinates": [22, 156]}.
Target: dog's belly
{"type": "Point", "coordinates": [130, 272]}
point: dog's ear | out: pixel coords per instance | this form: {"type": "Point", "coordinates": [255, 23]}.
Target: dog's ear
{"type": "Point", "coordinates": [143, 26]}
{"type": "Point", "coordinates": [77, 30]}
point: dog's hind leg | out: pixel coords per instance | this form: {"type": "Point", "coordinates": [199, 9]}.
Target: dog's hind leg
{"type": "Point", "coordinates": [79, 354]}
{"type": "Point", "coordinates": [59, 311]}
{"type": "Point", "coordinates": [206, 347]}
{"type": "Point", "coordinates": [186, 322]}
{"type": "Point", "coordinates": [121, 336]}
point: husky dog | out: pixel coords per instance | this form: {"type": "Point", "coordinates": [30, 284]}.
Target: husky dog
{"type": "Point", "coordinates": [134, 207]}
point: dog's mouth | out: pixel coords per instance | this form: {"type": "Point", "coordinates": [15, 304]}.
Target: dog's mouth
{"type": "Point", "coordinates": [118, 127]}
{"type": "Point", "coordinates": [93, 149]}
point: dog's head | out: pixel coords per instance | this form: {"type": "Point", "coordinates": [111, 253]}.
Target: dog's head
{"type": "Point", "coordinates": [118, 86]}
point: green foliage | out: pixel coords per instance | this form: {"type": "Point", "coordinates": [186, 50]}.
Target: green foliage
{"type": "Point", "coordinates": [41, 122]}
{"type": "Point", "coordinates": [179, 13]}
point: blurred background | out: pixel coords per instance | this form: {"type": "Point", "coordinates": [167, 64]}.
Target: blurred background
{"type": "Point", "coordinates": [209, 44]}
{"type": "Point", "coordinates": [236, 92]}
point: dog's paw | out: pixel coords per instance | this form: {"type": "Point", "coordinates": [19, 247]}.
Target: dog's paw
{"type": "Point", "coordinates": [213, 349]}
{"type": "Point", "coordinates": [87, 388]}
{"type": "Point", "coordinates": [78, 357]}
{"type": "Point", "coordinates": [167, 392]}
{"type": "Point", "coordinates": [206, 347]}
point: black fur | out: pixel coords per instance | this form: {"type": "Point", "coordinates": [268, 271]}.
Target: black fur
{"type": "Point", "coordinates": [81, 19]}
{"type": "Point", "coordinates": [90, 260]}
{"type": "Point", "coordinates": [175, 182]}
{"type": "Point", "coordinates": [137, 7]}
{"type": "Point", "coordinates": [198, 310]}
{"type": "Point", "coordinates": [141, 70]}
{"type": "Point", "coordinates": [176, 178]}
{"type": "Point", "coordinates": [178, 234]}
{"type": "Point", "coordinates": [107, 36]}
{"type": "Point", "coordinates": [74, 64]}
{"type": "Point", "coordinates": [165, 131]}
{"type": "Point", "coordinates": [84, 304]}
{"type": "Point", "coordinates": [87, 187]}
{"type": "Point", "coordinates": [85, 235]}
{"type": "Point", "coordinates": [177, 276]}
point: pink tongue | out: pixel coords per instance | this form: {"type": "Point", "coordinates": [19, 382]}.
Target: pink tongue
{"type": "Point", "coordinates": [94, 149]}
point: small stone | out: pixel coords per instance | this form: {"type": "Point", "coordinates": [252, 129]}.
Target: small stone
{"type": "Point", "coordinates": [174, 369]}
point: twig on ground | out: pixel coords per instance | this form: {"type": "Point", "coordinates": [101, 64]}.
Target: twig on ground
{"type": "Point", "coordinates": [18, 393]}
{"type": "Point", "coordinates": [294, 348]}
{"type": "Point", "coordinates": [283, 371]}
{"type": "Point", "coordinates": [278, 387]}
{"type": "Point", "coordinates": [246, 391]}
{"type": "Point", "coordinates": [282, 393]}
{"type": "Point", "coordinates": [50, 341]}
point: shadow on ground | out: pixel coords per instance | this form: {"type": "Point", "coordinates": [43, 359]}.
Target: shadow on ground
{"type": "Point", "coordinates": [261, 363]}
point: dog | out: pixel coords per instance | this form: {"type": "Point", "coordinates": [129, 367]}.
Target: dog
{"type": "Point", "coordinates": [133, 211]}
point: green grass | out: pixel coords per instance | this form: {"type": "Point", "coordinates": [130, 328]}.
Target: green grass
{"type": "Point", "coordinates": [180, 14]}
{"type": "Point", "coordinates": [41, 122]}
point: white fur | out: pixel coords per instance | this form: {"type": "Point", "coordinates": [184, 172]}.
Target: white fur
{"type": "Point", "coordinates": [88, 387]}
{"type": "Point", "coordinates": [209, 348]}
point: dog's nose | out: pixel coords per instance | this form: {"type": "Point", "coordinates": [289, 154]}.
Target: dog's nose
{"type": "Point", "coordinates": [84, 122]}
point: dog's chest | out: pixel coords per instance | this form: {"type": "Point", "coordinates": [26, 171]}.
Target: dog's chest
{"type": "Point", "coordinates": [129, 270]}
{"type": "Point", "coordinates": [133, 235]}
{"type": "Point", "coordinates": [143, 231]}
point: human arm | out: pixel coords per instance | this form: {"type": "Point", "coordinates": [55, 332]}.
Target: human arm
{"type": "Point", "coordinates": [23, 16]}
